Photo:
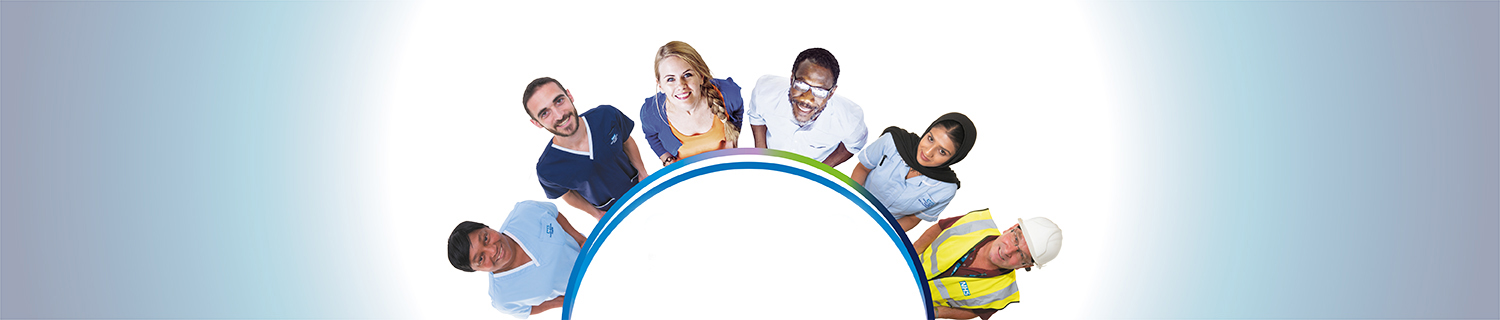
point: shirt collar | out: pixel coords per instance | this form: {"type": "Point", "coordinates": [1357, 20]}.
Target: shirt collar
{"type": "Point", "coordinates": [522, 266]}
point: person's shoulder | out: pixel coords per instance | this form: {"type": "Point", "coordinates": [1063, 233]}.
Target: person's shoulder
{"type": "Point", "coordinates": [535, 208]}
{"type": "Point", "coordinates": [843, 114]}
{"type": "Point", "coordinates": [555, 165]}
{"type": "Point", "coordinates": [726, 85]}
{"type": "Point", "coordinates": [770, 84]}
{"type": "Point", "coordinates": [528, 212]}
{"type": "Point", "coordinates": [885, 143]}
{"type": "Point", "coordinates": [547, 154]}
{"type": "Point", "coordinates": [769, 79]}
{"type": "Point", "coordinates": [652, 104]}
{"type": "Point", "coordinates": [948, 222]}
{"type": "Point", "coordinates": [651, 109]}
{"type": "Point", "coordinates": [543, 159]}
{"type": "Point", "coordinates": [607, 115]}
{"type": "Point", "coordinates": [847, 106]}
{"type": "Point", "coordinates": [603, 109]}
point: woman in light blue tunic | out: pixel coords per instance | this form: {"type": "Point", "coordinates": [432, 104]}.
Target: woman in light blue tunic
{"type": "Point", "coordinates": [909, 173]}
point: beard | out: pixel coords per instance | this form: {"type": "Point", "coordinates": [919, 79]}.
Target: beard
{"type": "Point", "coordinates": [577, 121]}
{"type": "Point", "coordinates": [797, 107]}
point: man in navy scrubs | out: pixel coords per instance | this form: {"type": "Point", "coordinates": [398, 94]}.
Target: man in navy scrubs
{"type": "Point", "coordinates": [591, 160]}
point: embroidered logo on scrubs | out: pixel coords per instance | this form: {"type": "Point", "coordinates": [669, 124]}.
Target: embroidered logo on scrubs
{"type": "Point", "coordinates": [613, 138]}
{"type": "Point", "coordinates": [549, 230]}
{"type": "Point", "coordinates": [964, 285]}
{"type": "Point", "coordinates": [926, 202]}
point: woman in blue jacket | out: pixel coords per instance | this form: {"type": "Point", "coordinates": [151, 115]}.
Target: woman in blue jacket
{"type": "Point", "coordinates": [691, 112]}
{"type": "Point", "coordinates": [909, 173]}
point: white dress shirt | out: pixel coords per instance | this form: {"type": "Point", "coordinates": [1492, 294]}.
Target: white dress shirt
{"type": "Point", "coordinates": [841, 122]}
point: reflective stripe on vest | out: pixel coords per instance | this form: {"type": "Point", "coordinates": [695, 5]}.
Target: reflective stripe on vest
{"type": "Point", "coordinates": [966, 292]}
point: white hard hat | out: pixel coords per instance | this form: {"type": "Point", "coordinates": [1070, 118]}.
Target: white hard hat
{"type": "Point", "coordinates": [1043, 237]}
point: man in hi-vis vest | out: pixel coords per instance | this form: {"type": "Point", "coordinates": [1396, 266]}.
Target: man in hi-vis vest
{"type": "Point", "coordinates": [970, 262]}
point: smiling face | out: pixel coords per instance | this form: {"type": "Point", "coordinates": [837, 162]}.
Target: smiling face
{"type": "Point", "coordinates": [679, 81]}
{"type": "Point", "coordinates": [812, 86]}
{"type": "Point", "coordinates": [936, 147]}
{"type": "Point", "coordinates": [490, 251]}
{"type": "Point", "coordinates": [1010, 250]}
{"type": "Point", "coordinates": [551, 108]}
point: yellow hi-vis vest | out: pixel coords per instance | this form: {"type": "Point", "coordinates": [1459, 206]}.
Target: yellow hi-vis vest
{"type": "Point", "coordinates": [966, 292]}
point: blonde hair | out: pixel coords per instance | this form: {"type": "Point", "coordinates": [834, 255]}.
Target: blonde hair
{"type": "Point", "coordinates": [683, 51]}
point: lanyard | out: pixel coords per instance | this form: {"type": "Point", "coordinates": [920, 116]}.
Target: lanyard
{"type": "Point", "coordinates": [953, 270]}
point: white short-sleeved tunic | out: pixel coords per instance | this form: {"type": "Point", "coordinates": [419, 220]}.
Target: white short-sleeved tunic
{"type": "Point", "coordinates": [920, 195]}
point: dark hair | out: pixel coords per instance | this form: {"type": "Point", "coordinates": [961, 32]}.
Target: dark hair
{"type": "Point", "coordinates": [538, 83]}
{"type": "Point", "coordinates": [458, 244]}
{"type": "Point", "coordinates": [820, 57]}
{"type": "Point", "coordinates": [955, 131]}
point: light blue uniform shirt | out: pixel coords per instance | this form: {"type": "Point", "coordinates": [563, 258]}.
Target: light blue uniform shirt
{"type": "Point", "coordinates": [920, 195]}
{"type": "Point", "coordinates": [533, 224]}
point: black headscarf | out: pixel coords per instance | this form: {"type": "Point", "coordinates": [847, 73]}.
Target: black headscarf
{"type": "Point", "coordinates": [906, 145]}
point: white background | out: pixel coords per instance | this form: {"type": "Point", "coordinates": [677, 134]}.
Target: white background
{"type": "Point", "coordinates": [670, 261]}
{"type": "Point", "coordinates": [459, 147]}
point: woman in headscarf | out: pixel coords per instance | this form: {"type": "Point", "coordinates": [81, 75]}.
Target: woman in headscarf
{"type": "Point", "coordinates": [692, 112]}
{"type": "Point", "coordinates": [909, 173]}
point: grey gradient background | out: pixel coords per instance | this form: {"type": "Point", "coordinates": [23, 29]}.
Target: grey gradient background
{"type": "Point", "coordinates": [1312, 159]}
{"type": "Point", "coordinates": [1329, 159]}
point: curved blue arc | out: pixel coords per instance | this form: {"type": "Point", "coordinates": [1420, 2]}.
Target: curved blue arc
{"type": "Point", "coordinates": [611, 220]}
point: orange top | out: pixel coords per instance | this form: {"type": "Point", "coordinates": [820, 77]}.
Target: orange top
{"type": "Point", "coordinates": [692, 145]}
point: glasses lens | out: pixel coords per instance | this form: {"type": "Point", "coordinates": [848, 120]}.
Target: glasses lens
{"type": "Point", "coordinates": [816, 91]}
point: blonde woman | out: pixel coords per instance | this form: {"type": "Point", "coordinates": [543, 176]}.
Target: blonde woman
{"type": "Point", "coordinates": [691, 112]}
